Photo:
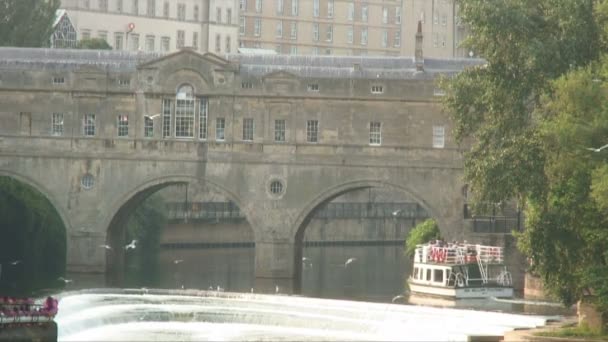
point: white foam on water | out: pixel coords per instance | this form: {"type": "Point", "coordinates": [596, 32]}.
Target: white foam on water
{"type": "Point", "coordinates": [253, 317]}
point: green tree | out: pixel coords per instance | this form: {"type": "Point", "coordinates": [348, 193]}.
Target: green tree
{"type": "Point", "coordinates": [27, 23]}
{"type": "Point", "coordinates": [94, 44]}
{"type": "Point", "coordinates": [528, 132]}
{"type": "Point", "coordinates": [422, 233]}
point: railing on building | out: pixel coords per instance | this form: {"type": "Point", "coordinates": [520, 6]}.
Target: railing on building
{"type": "Point", "coordinates": [204, 211]}
{"type": "Point", "coordinates": [345, 210]}
{"type": "Point", "coordinates": [496, 224]}
{"type": "Point", "coordinates": [338, 210]}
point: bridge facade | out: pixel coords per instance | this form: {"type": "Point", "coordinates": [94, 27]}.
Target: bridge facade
{"type": "Point", "coordinates": [279, 136]}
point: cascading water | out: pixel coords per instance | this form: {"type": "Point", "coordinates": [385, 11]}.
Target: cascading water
{"type": "Point", "coordinates": [123, 315]}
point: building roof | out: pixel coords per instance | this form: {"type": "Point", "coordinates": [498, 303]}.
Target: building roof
{"type": "Point", "coordinates": [250, 65]}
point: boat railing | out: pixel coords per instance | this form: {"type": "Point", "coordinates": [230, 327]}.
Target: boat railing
{"type": "Point", "coordinates": [458, 254]}
{"type": "Point", "coordinates": [25, 313]}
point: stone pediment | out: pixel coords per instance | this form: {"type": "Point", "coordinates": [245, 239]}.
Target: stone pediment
{"type": "Point", "coordinates": [280, 75]}
{"type": "Point", "coordinates": [188, 57]}
{"type": "Point", "coordinates": [205, 72]}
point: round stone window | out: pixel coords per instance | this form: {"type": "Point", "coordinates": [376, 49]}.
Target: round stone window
{"type": "Point", "coordinates": [276, 187]}
{"type": "Point", "coordinates": [87, 181]}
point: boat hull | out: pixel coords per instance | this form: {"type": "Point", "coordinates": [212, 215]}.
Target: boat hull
{"type": "Point", "coordinates": [462, 292]}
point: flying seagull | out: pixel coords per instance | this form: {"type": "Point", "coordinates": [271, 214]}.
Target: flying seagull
{"type": "Point", "coordinates": [16, 262]}
{"type": "Point", "coordinates": [65, 281]}
{"type": "Point", "coordinates": [131, 245]}
{"type": "Point", "coordinates": [349, 261]}
{"type": "Point", "coordinates": [397, 297]}
{"type": "Point", "coordinates": [396, 212]}
{"type": "Point", "coordinates": [597, 149]}
{"type": "Point", "coordinates": [105, 247]}
{"type": "Point", "coordinates": [177, 261]}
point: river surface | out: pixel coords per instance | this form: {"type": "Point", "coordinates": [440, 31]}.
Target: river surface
{"type": "Point", "coordinates": [207, 297]}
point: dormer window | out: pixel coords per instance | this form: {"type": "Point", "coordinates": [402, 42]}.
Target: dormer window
{"type": "Point", "coordinates": [58, 80]}
{"type": "Point", "coordinates": [246, 85]}
{"type": "Point", "coordinates": [313, 87]}
{"type": "Point", "coordinates": [377, 89]}
{"type": "Point", "coordinates": [124, 82]}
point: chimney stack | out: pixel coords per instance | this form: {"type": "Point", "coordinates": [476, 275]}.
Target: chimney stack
{"type": "Point", "coordinates": [418, 59]}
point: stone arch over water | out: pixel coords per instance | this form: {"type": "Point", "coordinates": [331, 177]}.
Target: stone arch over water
{"type": "Point", "coordinates": [309, 209]}
{"type": "Point", "coordinates": [119, 213]}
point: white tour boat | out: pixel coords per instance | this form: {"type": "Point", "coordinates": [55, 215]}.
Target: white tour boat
{"type": "Point", "coordinates": [460, 270]}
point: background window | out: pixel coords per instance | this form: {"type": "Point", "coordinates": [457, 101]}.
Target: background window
{"type": "Point", "coordinates": [220, 126]}
{"type": "Point", "coordinates": [248, 129]}
{"type": "Point", "coordinates": [375, 133]}
{"type": "Point", "coordinates": [57, 124]}
{"type": "Point", "coordinates": [312, 131]}
{"type": "Point", "coordinates": [438, 136]}
{"type": "Point", "coordinates": [184, 112]}
{"type": "Point", "coordinates": [88, 125]}
{"type": "Point", "coordinates": [148, 127]}
{"type": "Point", "coordinates": [166, 118]}
{"type": "Point", "coordinates": [123, 125]}
{"type": "Point", "coordinates": [203, 115]}
{"type": "Point", "coordinates": [279, 130]}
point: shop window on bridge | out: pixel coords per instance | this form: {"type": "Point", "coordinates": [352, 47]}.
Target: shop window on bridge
{"type": "Point", "coordinates": [57, 124]}
{"type": "Point", "coordinates": [166, 118]}
{"type": "Point", "coordinates": [375, 133]}
{"type": "Point", "coordinates": [184, 112]}
{"type": "Point", "coordinates": [148, 127]}
{"type": "Point", "coordinates": [123, 125]}
{"type": "Point", "coordinates": [203, 117]}
{"type": "Point", "coordinates": [88, 126]}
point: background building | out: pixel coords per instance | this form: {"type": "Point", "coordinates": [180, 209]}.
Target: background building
{"type": "Point", "coordinates": [157, 25]}
{"type": "Point", "coordinates": [351, 27]}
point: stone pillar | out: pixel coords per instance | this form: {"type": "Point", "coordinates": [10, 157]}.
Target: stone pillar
{"type": "Point", "coordinates": [275, 267]}
{"type": "Point", "coordinates": [84, 253]}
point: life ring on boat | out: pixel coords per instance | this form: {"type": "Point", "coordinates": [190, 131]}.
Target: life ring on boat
{"type": "Point", "coordinates": [459, 280]}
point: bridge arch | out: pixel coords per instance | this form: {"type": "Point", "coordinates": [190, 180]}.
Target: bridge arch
{"type": "Point", "coordinates": [46, 192]}
{"type": "Point", "coordinates": [326, 196]}
{"type": "Point", "coordinates": [121, 209]}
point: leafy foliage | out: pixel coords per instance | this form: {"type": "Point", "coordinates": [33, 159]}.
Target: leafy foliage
{"type": "Point", "coordinates": [94, 44]}
{"type": "Point", "coordinates": [531, 113]}
{"type": "Point", "coordinates": [32, 233]}
{"type": "Point", "coordinates": [422, 233]}
{"type": "Point", "coordinates": [27, 23]}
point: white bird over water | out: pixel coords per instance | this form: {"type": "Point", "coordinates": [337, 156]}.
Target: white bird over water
{"type": "Point", "coordinates": [178, 261]}
{"type": "Point", "coordinates": [65, 281]}
{"type": "Point", "coordinates": [596, 149]}
{"type": "Point", "coordinates": [396, 212]}
{"type": "Point", "coordinates": [349, 261]}
{"type": "Point", "coordinates": [397, 297]}
{"type": "Point", "coordinates": [16, 262]}
{"type": "Point", "coordinates": [105, 247]}
{"type": "Point", "coordinates": [131, 245]}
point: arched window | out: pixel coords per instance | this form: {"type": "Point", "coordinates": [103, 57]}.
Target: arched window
{"type": "Point", "coordinates": [185, 112]}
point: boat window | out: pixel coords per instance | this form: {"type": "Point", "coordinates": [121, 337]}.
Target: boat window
{"type": "Point", "coordinates": [438, 276]}
{"type": "Point", "coordinates": [415, 272]}
{"type": "Point", "coordinates": [428, 274]}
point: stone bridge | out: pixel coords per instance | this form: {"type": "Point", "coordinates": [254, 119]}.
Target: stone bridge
{"type": "Point", "coordinates": [361, 136]}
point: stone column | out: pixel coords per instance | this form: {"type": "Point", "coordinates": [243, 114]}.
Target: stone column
{"type": "Point", "coordinates": [275, 267]}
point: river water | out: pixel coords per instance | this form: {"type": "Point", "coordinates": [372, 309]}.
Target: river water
{"type": "Point", "coordinates": [339, 302]}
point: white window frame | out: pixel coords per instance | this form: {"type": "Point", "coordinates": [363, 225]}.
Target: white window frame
{"type": "Point", "coordinates": [351, 11]}
{"type": "Point", "coordinates": [148, 127]}
{"type": "Point", "coordinates": [88, 125]}
{"type": "Point", "coordinates": [315, 8]}
{"type": "Point", "coordinates": [350, 34]}
{"type": "Point", "coordinates": [364, 12]}
{"type": "Point", "coordinates": [375, 133]}
{"type": "Point", "coordinates": [258, 6]}
{"type": "Point", "coordinates": [438, 136]}
{"type": "Point", "coordinates": [150, 42]}
{"type": "Point", "coordinates": [57, 124]}
{"type": "Point", "coordinates": [243, 5]}
{"type": "Point", "coordinates": [397, 39]}
{"type": "Point", "coordinates": [166, 115]}
{"type": "Point", "coordinates": [218, 15]}
{"type": "Point", "coordinates": [377, 89]}
{"type": "Point", "coordinates": [203, 117]}
{"type": "Point", "coordinates": [185, 112]}
{"type": "Point", "coordinates": [220, 129]}
{"type": "Point", "coordinates": [242, 23]}
{"type": "Point", "coordinates": [313, 87]}
{"type": "Point", "coordinates": [364, 36]}
{"type": "Point", "coordinates": [312, 131]}
{"type": "Point", "coordinates": [384, 38]}
{"type": "Point", "coordinates": [228, 44]}
{"type": "Point", "coordinates": [384, 15]}
{"type": "Point", "coordinates": [294, 30]}
{"type": "Point", "coordinates": [397, 15]}
{"type": "Point", "coordinates": [329, 34]}
{"type": "Point", "coordinates": [257, 27]}
{"type": "Point", "coordinates": [330, 8]}
{"type": "Point", "coordinates": [122, 125]}
{"type": "Point", "coordinates": [181, 12]}
{"type": "Point", "coordinates": [294, 8]}
{"type": "Point", "coordinates": [280, 6]}
{"type": "Point", "coordinates": [279, 29]}
{"type": "Point", "coordinates": [315, 32]}
{"type": "Point", "coordinates": [180, 40]}
{"type": "Point", "coordinates": [280, 130]}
